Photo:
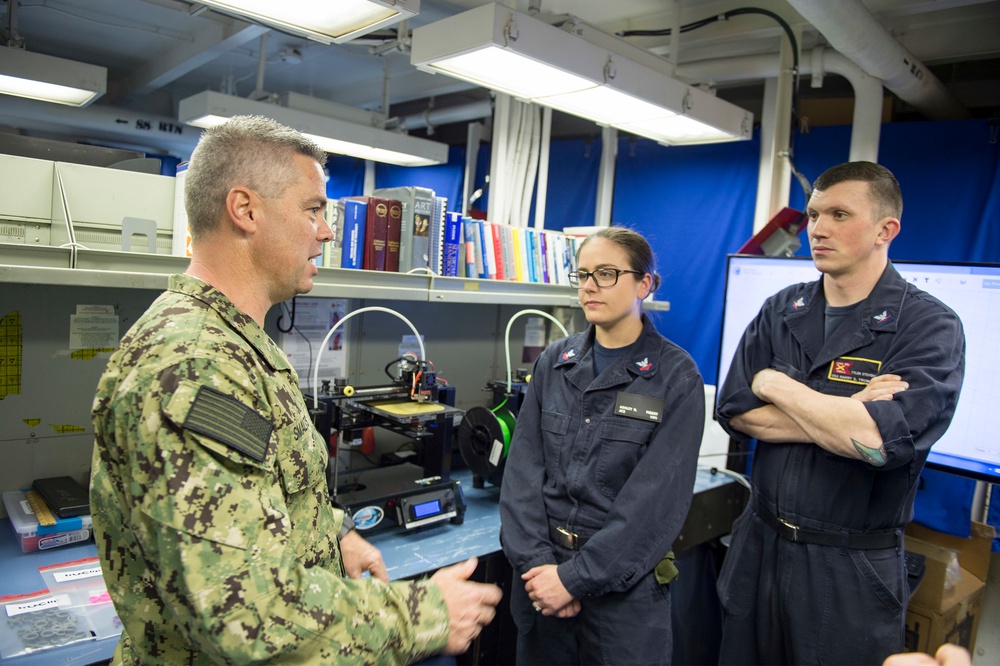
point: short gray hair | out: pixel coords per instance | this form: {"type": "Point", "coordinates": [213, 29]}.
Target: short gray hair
{"type": "Point", "coordinates": [251, 151]}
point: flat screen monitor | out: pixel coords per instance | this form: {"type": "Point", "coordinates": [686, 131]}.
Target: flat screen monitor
{"type": "Point", "coordinates": [971, 445]}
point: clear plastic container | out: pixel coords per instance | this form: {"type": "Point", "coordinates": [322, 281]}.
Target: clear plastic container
{"type": "Point", "coordinates": [33, 536]}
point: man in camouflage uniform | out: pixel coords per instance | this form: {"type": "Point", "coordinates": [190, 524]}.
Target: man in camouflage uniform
{"type": "Point", "coordinates": [213, 521]}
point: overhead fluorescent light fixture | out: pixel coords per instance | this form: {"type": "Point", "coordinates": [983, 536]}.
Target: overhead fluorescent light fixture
{"type": "Point", "coordinates": [324, 21]}
{"type": "Point", "coordinates": [50, 79]}
{"type": "Point", "coordinates": [514, 53]}
{"type": "Point", "coordinates": [334, 135]}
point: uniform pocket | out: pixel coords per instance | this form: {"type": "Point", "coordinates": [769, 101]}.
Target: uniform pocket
{"type": "Point", "coordinates": [554, 427]}
{"type": "Point", "coordinates": [740, 573]}
{"type": "Point", "coordinates": [620, 442]}
{"type": "Point", "coordinates": [882, 570]}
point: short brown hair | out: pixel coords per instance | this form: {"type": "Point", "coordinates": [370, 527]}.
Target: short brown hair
{"type": "Point", "coordinates": [882, 185]}
{"type": "Point", "coordinates": [640, 254]}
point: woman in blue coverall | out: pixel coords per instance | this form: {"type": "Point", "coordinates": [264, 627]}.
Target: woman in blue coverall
{"type": "Point", "coordinates": [601, 471]}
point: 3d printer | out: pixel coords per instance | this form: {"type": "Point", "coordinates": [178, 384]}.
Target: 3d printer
{"type": "Point", "coordinates": [412, 404]}
{"type": "Point", "coordinates": [485, 433]}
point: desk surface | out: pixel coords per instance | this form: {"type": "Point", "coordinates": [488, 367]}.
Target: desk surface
{"type": "Point", "coordinates": [429, 548]}
{"type": "Point", "coordinates": [406, 555]}
{"type": "Point", "coordinates": [426, 549]}
{"type": "Point", "coordinates": [19, 575]}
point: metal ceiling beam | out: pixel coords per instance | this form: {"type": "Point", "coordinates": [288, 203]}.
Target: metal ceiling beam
{"type": "Point", "coordinates": [212, 38]}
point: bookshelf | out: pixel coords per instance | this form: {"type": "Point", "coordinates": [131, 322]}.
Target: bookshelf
{"type": "Point", "coordinates": [40, 264]}
{"type": "Point", "coordinates": [35, 264]}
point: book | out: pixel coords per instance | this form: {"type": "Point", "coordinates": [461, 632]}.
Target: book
{"type": "Point", "coordinates": [546, 253]}
{"type": "Point", "coordinates": [507, 246]}
{"type": "Point", "coordinates": [392, 236]}
{"type": "Point", "coordinates": [486, 248]}
{"type": "Point", "coordinates": [376, 233]}
{"type": "Point", "coordinates": [333, 250]}
{"type": "Point", "coordinates": [411, 253]}
{"type": "Point", "coordinates": [474, 233]}
{"type": "Point", "coordinates": [436, 237]}
{"type": "Point", "coordinates": [423, 209]}
{"type": "Point", "coordinates": [497, 232]}
{"type": "Point", "coordinates": [520, 264]}
{"type": "Point", "coordinates": [452, 244]}
{"type": "Point", "coordinates": [469, 235]}
{"type": "Point", "coordinates": [355, 229]}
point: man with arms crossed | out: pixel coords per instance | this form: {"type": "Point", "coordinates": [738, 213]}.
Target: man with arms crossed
{"type": "Point", "coordinates": [845, 383]}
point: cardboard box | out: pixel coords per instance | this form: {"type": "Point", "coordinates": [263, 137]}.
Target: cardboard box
{"type": "Point", "coordinates": [939, 613]}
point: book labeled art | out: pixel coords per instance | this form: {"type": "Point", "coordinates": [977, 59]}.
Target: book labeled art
{"type": "Point", "coordinates": [409, 256]}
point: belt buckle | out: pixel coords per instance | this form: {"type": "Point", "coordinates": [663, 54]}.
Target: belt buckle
{"type": "Point", "coordinates": [570, 537]}
{"type": "Point", "coordinates": [791, 526]}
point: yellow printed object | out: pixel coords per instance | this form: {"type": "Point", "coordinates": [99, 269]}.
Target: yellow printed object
{"type": "Point", "coordinates": [409, 407]}
{"type": "Point", "coordinates": [10, 354]}
{"type": "Point", "coordinates": [63, 429]}
{"type": "Point", "coordinates": [89, 353]}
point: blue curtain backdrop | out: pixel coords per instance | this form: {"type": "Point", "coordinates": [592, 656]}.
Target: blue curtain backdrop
{"type": "Point", "coordinates": [695, 204]}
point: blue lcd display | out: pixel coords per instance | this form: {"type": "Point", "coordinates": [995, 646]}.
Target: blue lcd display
{"type": "Point", "coordinates": [425, 509]}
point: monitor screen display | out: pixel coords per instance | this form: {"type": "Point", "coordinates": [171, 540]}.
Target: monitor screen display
{"type": "Point", "coordinates": [971, 445]}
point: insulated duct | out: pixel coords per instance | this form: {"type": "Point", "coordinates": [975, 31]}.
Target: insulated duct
{"type": "Point", "coordinates": [851, 29]}
{"type": "Point", "coordinates": [160, 134]}
{"type": "Point", "coordinates": [435, 117]}
{"type": "Point", "coordinates": [126, 129]}
{"type": "Point", "coordinates": [867, 122]}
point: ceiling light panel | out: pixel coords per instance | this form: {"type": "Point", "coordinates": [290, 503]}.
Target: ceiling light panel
{"type": "Point", "coordinates": [334, 135]}
{"type": "Point", "coordinates": [326, 21]}
{"type": "Point", "coordinates": [521, 55]}
{"type": "Point", "coordinates": [50, 79]}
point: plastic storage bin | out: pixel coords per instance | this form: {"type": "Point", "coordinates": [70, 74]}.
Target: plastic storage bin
{"type": "Point", "coordinates": [33, 536]}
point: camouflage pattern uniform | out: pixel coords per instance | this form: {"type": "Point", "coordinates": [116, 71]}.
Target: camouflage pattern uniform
{"type": "Point", "coordinates": [211, 510]}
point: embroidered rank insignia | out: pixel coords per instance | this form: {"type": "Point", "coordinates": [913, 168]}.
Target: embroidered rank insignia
{"type": "Point", "coordinates": [797, 304]}
{"type": "Point", "coordinates": [882, 318]}
{"type": "Point", "coordinates": [226, 419]}
{"type": "Point", "coordinates": [645, 365]}
{"type": "Point", "coordinates": [853, 370]}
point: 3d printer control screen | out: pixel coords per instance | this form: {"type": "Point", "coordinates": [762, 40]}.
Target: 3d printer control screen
{"type": "Point", "coordinates": [425, 509]}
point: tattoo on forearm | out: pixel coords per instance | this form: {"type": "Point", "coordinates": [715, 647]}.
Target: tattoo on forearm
{"type": "Point", "coordinates": [873, 456]}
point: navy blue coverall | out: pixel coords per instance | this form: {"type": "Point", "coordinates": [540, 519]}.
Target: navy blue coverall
{"type": "Point", "coordinates": [622, 483]}
{"type": "Point", "coordinates": [788, 602]}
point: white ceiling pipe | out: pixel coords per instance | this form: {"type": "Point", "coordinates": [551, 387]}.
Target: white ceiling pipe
{"type": "Point", "coordinates": [852, 30]}
{"type": "Point", "coordinates": [867, 121]}
{"type": "Point", "coordinates": [152, 133]}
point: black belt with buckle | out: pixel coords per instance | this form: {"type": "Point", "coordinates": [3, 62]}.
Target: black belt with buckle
{"type": "Point", "coordinates": [565, 538]}
{"type": "Point", "coordinates": [863, 541]}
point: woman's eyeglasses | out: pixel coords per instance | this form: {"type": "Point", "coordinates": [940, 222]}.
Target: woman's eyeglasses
{"type": "Point", "coordinates": [603, 277]}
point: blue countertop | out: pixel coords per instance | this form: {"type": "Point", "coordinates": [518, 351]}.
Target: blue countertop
{"type": "Point", "coordinates": [406, 555]}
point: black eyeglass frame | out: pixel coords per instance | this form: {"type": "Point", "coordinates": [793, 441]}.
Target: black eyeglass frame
{"type": "Point", "coordinates": [581, 277]}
